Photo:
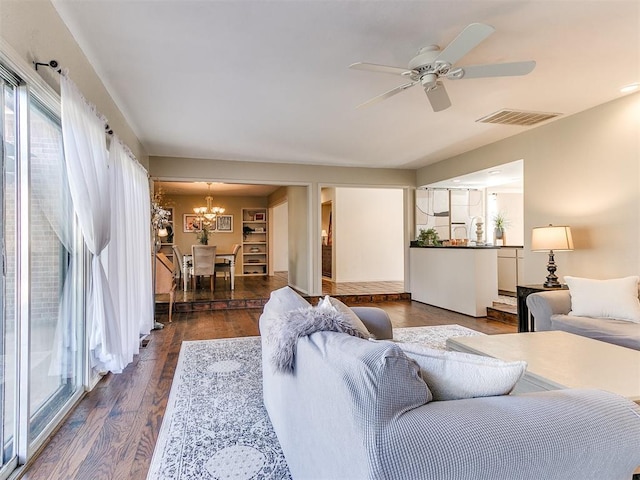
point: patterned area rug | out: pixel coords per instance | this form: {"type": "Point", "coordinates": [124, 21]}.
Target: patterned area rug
{"type": "Point", "coordinates": [215, 426]}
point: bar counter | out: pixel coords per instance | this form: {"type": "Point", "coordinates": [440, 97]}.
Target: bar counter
{"type": "Point", "coordinates": [463, 279]}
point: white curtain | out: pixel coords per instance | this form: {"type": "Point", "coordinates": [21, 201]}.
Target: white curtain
{"type": "Point", "coordinates": [50, 190]}
{"type": "Point", "coordinates": [87, 169]}
{"type": "Point", "coordinates": [129, 256]}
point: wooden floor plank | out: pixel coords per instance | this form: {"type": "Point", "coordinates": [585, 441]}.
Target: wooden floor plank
{"type": "Point", "coordinates": [112, 432]}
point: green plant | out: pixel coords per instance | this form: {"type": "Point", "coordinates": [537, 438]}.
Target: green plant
{"type": "Point", "coordinates": [500, 221]}
{"type": "Point", "coordinates": [203, 235]}
{"type": "Point", "coordinates": [428, 237]}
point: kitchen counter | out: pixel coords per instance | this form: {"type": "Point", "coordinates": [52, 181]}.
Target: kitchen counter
{"type": "Point", "coordinates": [474, 247]}
{"type": "Point", "coordinates": [461, 279]}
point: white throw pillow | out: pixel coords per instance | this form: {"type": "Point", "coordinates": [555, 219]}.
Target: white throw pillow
{"type": "Point", "coordinates": [615, 298]}
{"type": "Point", "coordinates": [336, 305]}
{"type": "Point", "coordinates": [456, 375]}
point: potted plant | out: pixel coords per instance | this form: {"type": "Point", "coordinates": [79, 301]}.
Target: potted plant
{"type": "Point", "coordinates": [428, 237]}
{"type": "Point", "coordinates": [203, 235]}
{"type": "Point", "coordinates": [500, 224]}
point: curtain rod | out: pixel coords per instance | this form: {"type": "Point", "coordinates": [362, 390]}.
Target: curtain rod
{"type": "Point", "coordinates": [54, 65]}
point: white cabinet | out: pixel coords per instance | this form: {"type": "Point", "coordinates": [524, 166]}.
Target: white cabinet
{"type": "Point", "coordinates": [463, 280]}
{"type": "Point", "coordinates": [255, 246]}
{"type": "Point", "coordinates": [509, 269]}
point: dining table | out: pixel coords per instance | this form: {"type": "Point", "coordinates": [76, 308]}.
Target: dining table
{"type": "Point", "coordinates": [187, 261]}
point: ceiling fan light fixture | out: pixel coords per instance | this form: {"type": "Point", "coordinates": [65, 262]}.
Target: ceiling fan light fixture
{"type": "Point", "coordinates": [432, 63]}
{"type": "Point", "coordinates": [428, 81]}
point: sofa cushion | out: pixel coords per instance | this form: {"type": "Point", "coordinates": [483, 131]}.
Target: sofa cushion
{"type": "Point", "coordinates": [614, 298]}
{"type": "Point", "coordinates": [283, 331]}
{"type": "Point", "coordinates": [618, 332]}
{"type": "Point", "coordinates": [336, 305]}
{"type": "Point", "coordinates": [457, 375]}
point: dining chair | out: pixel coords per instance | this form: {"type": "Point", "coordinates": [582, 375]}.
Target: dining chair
{"type": "Point", "coordinates": [165, 279]}
{"type": "Point", "coordinates": [178, 258]}
{"type": "Point", "coordinates": [203, 258]}
{"type": "Point", "coordinates": [225, 265]}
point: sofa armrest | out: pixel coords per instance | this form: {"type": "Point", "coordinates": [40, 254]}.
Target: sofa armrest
{"type": "Point", "coordinates": [543, 305]}
{"type": "Point", "coordinates": [555, 435]}
{"type": "Point", "coordinates": [376, 320]}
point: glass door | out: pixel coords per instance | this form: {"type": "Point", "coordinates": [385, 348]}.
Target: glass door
{"type": "Point", "coordinates": [8, 256]}
{"type": "Point", "coordinates": [41, 286]}
{"type": "Point", "coordinates": [53, 327]}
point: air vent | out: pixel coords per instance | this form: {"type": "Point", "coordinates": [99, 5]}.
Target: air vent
{"type": "Point", "coordinates": [517, 117]}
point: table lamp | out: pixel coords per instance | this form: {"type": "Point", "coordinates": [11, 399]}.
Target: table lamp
{"type": "Point", "coordinates": [551, 238]}
{"type": "Point", "coordinates": [325, 237]}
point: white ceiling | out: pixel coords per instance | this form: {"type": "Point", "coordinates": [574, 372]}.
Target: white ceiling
{"type": "Point", "coordinates": [268, 80]}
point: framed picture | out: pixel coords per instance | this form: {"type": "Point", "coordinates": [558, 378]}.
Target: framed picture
{"type": "Point", "coordinates": [259, 217]}
{"type": "Point", "coordinates": [225, 223]}
{"type": "Point", "coordinates": [191, 223]}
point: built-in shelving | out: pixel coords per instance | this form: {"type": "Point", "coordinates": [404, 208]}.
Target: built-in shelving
{"type": "Point", "coordinates": [255, 246]}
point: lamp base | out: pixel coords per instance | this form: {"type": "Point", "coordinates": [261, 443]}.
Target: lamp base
{"type": "Point", "coordinates": [552, 279]}
{"type": "Point", "coordinates": [552, 283]}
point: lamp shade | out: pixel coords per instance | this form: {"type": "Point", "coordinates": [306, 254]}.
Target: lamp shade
{"type": "Point", "coordinates": [163, 232]}
{"type": "Point", "coordinates": [551, 238]}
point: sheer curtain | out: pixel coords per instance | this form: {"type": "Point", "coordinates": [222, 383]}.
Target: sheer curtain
{"type": "Point", "coordinates": [87, 169]}
{"type": "Point", "coordinates": [129, 260]}
{"type": "Point", "coordinates": [59, 215]}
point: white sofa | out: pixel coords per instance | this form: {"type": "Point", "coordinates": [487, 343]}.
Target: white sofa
{"type": "Point", "coordinates": [358, 409]}
{"type": "Point", "coordinates": [555, 310]}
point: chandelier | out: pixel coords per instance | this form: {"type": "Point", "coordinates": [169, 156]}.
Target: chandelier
{"type": "Point", "coordinates": [208, 213]}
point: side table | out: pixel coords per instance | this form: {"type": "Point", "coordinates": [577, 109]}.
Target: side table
{"type": "Point", "coordinates": [523, 291]}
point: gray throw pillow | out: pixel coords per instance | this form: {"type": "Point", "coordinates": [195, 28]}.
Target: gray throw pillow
{"type": "Point", "coordinates": [349, 315]}
{"type": "Point", "coordinates": [284, 331]}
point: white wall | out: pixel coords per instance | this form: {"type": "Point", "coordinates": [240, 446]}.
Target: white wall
{"type": "Point", "coordinates": [280, 239]}
{"type": "Point", "coordinates": [299, 251]}
{"type": "Point", "coordinates": [368, 235]}
{"type": "Point", "coordinates": [582, 171]}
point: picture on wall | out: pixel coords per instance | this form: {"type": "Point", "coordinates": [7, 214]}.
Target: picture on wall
{"type": "Point", "coordinates": [191, 223]}
{"type": "Point", "coordinates": [225, 223]}
{"type": "Point", "coordinates": [259, 217]}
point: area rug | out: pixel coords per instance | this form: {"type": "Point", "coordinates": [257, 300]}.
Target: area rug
{"type": "Point", "coordinates": [215, 425]}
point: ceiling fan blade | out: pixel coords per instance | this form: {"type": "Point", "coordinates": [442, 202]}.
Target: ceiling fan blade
{"type": "Point", "coordinates": [386, 95]}
{"type": "Point", "coordinates": [438, 97]}
{"type": "Point", "coordinates": [466, 40]}
{"type": "Point", "coordinates": [494, 70]}
{"type": "Point", "coordinates": [372, 67]}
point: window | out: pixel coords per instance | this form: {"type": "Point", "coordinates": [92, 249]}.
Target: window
{"type": "Point", "coordinates": [41, 285]}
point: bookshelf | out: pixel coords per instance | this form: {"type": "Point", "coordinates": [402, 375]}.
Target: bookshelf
{"type": "Point", "coordinates": [255, 246]}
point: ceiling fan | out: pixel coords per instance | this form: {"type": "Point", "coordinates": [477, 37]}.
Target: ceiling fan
{"type": "Point", "coordinates": [431, 64]}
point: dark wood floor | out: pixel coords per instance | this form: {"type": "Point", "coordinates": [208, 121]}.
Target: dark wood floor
{"type": "Point", "coordinates": [112, 432]}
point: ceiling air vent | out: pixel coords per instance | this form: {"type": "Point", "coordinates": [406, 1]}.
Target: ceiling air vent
{"type": "Point", "coordinates": [517, 117]}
